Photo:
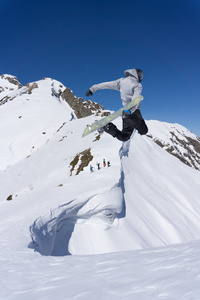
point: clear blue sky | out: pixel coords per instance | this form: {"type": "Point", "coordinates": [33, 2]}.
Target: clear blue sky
{"type": "Point", "coordinates": [83, 42]}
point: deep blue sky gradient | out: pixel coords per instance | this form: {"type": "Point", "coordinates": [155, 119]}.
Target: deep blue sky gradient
{"type": "Point", "coordinates": [83, 42]}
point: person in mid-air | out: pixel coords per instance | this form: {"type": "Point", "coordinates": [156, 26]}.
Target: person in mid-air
{"type": "Point", "coordinates": [130, 87]}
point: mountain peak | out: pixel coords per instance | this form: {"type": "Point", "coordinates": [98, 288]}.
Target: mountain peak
{"type": "Point", "coordinates": [9, 83]}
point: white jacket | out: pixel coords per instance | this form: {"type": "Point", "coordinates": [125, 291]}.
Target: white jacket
{"type": "Point", "coordinates": [129, 87]}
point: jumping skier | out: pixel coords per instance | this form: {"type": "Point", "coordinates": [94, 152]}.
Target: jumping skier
{"type": "Point", "coordinates": [130, 87]}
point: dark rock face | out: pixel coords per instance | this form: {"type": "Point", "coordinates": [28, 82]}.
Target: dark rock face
{"type": "Point", "coordinates": [82, 108]}
{"type": "Point", "coordinates": [80, 161]}
{"type": "Point", "coordinates": [30, 87]}
{"type": "Point", "coordinates": [16, 89]}
{"type": "Point", "coordinates": [182, 145]}
{"type": "Point", "coordinates": [9, 84]}
{"type": "Point", "coordinates": [12, 79]}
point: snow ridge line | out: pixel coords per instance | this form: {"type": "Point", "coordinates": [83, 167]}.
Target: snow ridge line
{"type": "Point", "coordinates": [124, 153]}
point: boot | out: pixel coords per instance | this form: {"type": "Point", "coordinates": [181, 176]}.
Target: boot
{"type": "Point", "coordinates": [111, 129]}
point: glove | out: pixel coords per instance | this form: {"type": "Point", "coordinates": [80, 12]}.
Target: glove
{"type": "Point", "coordinates": [89, 93]}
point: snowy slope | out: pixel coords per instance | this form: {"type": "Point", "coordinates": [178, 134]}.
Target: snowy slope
{"type": "Point", "coordinates": [145, 200]}
{"type": "Point", "coordinates": [158, 208]}
{"type": "Point", "coordinates": [29, 121]}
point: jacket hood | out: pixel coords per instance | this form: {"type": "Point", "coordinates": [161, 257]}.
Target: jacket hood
{"type": "Point", "coordinates": [131, 72]}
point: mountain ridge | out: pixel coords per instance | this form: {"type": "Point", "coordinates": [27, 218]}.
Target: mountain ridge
{"type": "Point", "coordinates": [64, 228]}
{"type": "Point", "coordinates": [174, 138]}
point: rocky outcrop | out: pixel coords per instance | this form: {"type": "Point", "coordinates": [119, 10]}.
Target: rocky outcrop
{"type": "Point", "coordinates": [8, 83]}
{"type": "Point", "coordinates": [8, 86]}
{"type": "Point", "coordinates": [14, 81]}
{"type": "Point", "coordinates": [182, 144]}
{"type": "Point", "coordinates": [11, 88]}
{"type": "Point", "coordinates": [30, 87]}
{"type": "Point", "coordinates": [80, 161]}
{"type": "Point", "coordinates": [83, 108]}
{"type": "Point", "coordinates": [11, 79]}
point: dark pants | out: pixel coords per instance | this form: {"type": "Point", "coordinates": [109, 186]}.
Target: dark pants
{"type": "Point", "coordinates": [130, 122]}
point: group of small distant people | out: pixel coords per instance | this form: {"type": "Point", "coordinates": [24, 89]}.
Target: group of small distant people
{"type": "Point", "coordinates": [99, 165]}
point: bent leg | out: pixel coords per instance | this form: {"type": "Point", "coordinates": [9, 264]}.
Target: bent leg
{"type": "Point", "coordinates": [142, 129]}
{"type": "Point", "coordinates": [130, 122]}
{"type": "Point", "coordinates": [123, 135]}
{"type": "Point", "coordinates": [141, 125]}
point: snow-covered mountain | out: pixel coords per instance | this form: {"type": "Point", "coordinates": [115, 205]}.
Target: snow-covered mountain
{"type": "Point", "coordinates": [146, 202]}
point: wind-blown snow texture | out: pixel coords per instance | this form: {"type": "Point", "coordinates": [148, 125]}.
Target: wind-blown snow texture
{"type": "Point", "coordinates": [129, 231]}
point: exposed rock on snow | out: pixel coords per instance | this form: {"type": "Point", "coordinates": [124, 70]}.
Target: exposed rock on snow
{"type": "Point", "coordinates": [8, 85]}
{"type": "Point", "coordinates": [81, 161]}
{"type": "Point", "coordinates": [11, 79]}
{"type": "Point", "coordinates": [83, 108]}
{"type": "Point", "coordinates": [30, 87]}
{"type": "Point", "coordinates": [178, 141]}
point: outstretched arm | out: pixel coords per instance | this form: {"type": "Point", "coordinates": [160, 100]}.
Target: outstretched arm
{"type": "Point", "coordinates": [112, 85]}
